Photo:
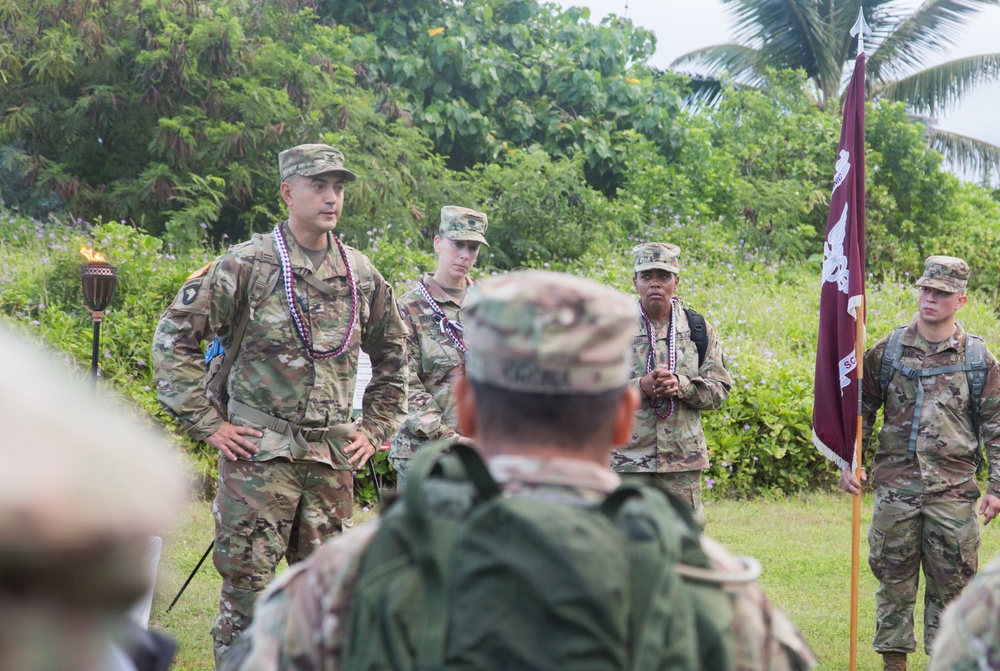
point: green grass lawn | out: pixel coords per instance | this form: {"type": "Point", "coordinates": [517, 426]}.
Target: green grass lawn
{"type": "Point", "coordinates": [803, 543]}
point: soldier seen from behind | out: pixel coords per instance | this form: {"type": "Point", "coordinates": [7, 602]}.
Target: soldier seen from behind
{"type": "Point", "coordinates": [938, 388]}
{"type": "Point", "coordinates": [968, 638]}
{"type": "Point", "coordinates": [527, 552]}
{"type": "Point", "coordinates": [436, 342]}
{"type": "Point", "coordinates": [678, 367]}
{"type": "Point", "coordinates": [82, 490]}
{"type": "Point", "coordinates": [292, 308]}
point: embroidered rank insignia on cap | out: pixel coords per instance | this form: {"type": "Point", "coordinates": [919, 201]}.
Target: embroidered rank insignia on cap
{"type": "Point", "coordinates": [198, 273]}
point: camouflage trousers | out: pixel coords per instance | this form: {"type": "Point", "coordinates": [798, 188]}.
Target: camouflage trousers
{"type": "Point", "coordinates": [266, 510]}
{"type": "Point", "coordinates": [683, 485]}
{"type": "Point", "coordinates": [402, 468]}
{"type": "Point", "coordinates": [939, 533]}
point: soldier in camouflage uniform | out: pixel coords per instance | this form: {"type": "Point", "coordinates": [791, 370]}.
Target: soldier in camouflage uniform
{"type": "Point", "coordinates": [287, 447]}
{"type": "Point", "coordinates": [668, 445]}
{"type": "Point", "coordinates": [969, 636]}
{"type": "Point", "coordinates": [82, 488]}
{"type": "Point", "coordinates": [545, 396]}
{"type": "Point", "coordinates": [435, 345]}
{"type": "Point", "coordinates": [925, 483]}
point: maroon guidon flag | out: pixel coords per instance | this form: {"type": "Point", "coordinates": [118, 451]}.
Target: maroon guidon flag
{"type": "Point", "coordinates": [837, 388]}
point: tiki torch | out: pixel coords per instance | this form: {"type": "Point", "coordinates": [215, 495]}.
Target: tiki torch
{"type": "Point", "coordinates": [99, 279]}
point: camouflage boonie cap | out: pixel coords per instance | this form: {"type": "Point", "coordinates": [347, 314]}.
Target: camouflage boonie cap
{"type": "Point", "coordinates": [946, 273]}
{"type": "Point", "coordinates": [462, 223]}
{"type": "Point", "coordinates": [650, 255]}
{"type": "Point", "coordinates": [539, 332]}
{"type": "Point", "coordinates": [312, 159]}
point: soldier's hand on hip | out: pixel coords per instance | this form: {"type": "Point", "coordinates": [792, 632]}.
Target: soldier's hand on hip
{"type": "Point", "coordinates": [229, 440]}
{"type": "Point", "coordinates": [849, 483]}
{"type": "Point", "coordinates": [989, 507]}
{"type": "Point", "coordinates": [359, 450]}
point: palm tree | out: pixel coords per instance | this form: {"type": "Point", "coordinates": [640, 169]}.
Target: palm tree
{"type": "Point", "coordinates": [815, 35]}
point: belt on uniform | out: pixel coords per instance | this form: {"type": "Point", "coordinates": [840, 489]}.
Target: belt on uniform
{"type": "Point", "coordinates": [300, 436]}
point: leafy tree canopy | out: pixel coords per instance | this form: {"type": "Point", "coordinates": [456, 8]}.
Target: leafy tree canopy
{"type": "Point", "coordinates": [171, 114]}
{"type": "Point", "coordinates": [484, 76]}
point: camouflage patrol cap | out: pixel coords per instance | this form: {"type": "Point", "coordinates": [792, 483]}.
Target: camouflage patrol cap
{"type": "Point", "coordinates": [312, 159]}
{"type": "Point", "coordinates": [946, 273]}
{"type": "Point", "coordinates": [82, 489]}
{"type": "Point", "coordinates": [462, 223]}
{"type": "Point", "coordinates": [650, 255]}
{"type": "Point", "coordinates": [539, 332]}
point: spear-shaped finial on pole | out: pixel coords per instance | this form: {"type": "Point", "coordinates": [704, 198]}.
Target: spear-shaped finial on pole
{"type": "Point", "coordinates": [861, 29]}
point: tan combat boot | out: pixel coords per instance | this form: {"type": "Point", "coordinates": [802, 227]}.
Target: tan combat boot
{"type": "Point", "coordinates": [894, 661]}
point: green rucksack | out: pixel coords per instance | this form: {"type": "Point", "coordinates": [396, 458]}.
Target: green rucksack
{"type": "Point", "coordinates": [460, 576]}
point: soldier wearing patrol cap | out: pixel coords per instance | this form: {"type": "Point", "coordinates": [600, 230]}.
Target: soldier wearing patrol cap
{"type": "Point", "coordinates": [436, 343]}
{"type": "Point", "coordinates": [677, 365]}
{"type": "Point", "coordinates": [81, 491]}
{"type": "Point", "coordinates": [926, 377]}
{"type": "Point", "coordinates": [545, 395]}
{"type": "Point", "coordinates": [306, 304]}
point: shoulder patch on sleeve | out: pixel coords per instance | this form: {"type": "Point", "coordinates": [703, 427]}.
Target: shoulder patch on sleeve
{"type": "Point", "coordinates": [198, 273]}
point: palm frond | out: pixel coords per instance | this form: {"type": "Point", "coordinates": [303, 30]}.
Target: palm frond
{"type": "Point", "coordinates": [736, 59]}
{"type": "Point", "coordinates": [965, 152]}
{"type": "Point", "coordinates": [703, 91]}
{"type": "Point", "coordinates": [932, 27]}
{"type": "Point", "coordinates": [933, 90]}
{"type": "Point", "coordinates": [790, 32]}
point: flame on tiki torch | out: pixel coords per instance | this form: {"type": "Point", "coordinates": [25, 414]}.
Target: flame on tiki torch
{"type": "Point", "coordinates": [93, 256]}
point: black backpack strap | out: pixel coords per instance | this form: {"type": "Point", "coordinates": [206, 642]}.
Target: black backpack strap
{"type": "Point", "coordinates": [699, 333]}
{"type": "Point", "coordinates": [975, 371]}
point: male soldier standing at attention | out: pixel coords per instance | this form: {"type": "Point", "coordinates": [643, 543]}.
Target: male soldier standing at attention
{"type": "Point", "coordinates": [936, 385]}
{"type": "Point", "coordinates": [292, 308]}
{"type": "Point", "coordinates": [677, 364]}
{"type": "Point", "coordinates": [545, 395]}
{"type": "Point", "coordinates": [436, 344]}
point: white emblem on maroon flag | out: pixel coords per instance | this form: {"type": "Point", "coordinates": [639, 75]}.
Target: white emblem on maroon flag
{"type": "Point", "coordinates": [834, 260]}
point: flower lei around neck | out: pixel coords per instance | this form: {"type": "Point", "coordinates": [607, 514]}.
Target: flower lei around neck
{"type": "Point", "coordinates": [671, 356]}
{"type": "Point", "coordinates": [450, 327]}
{"type": "Point", "coordinates": [293, 305]}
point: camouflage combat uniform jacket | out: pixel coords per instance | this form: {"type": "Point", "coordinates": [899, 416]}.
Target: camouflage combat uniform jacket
{"type": "Point", "coordinates": [435, 362]}
{"type": "Point", "coordinates": [676, 443]}
{"type": "Point", "coordinates": [946, 452]}
{"type": "Point", "coordinates": [299, 621]}
{"type": "Point", "coordinates": [272, 372]}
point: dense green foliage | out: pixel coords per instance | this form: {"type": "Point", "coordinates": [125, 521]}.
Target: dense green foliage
{"type": "Point", "coordinates": [150, 129]}
{"type": "Point", "coordinates": [483, 77]}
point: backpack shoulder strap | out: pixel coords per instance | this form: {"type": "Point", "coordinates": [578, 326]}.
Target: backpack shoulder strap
{"type": "Point", "coordinates": [975, 371]}
{"type": "Point", "coordinates": [699, 333]}
{"type": "Point", "coordinates": [262, 276]}
{"type": "Point", "coordinates": [259, 285]}
{"type": "Point", "coordinates": [363, 267]}
{"type": "Point", "coordinates": [890, 358]}
{"type": "Point", "coordinates": [656, 533]}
